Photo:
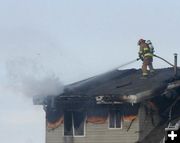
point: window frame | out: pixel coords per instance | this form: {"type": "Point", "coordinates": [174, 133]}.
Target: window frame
{"type": "Point", "coordinates": [115, 121]}
{"type": "Point", "coordinates": [73, 129]}
{"type": "Point", "coordinates": [84, 130]}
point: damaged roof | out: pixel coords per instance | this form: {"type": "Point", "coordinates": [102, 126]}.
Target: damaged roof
{"type": "Point", "coordinates": [123, 84]}
{"type": "Point", "coordinates": [119, 86]}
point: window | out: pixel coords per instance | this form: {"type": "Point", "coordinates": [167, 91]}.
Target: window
{"type": "Point", "coordinates": [74, 123]}
{"type": "Point", "coordinates": [68, 131]}
{"type": "Point", "coordinates": [115, 120]}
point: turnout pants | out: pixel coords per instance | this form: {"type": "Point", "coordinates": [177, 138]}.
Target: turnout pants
{"type": "Point", "coordinates": [147, 62]}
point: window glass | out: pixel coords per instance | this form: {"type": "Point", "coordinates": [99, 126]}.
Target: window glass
{"type": "Point", "coordinates": [114, 119]}
{"type": "Point", "coordinates": [118, 120]}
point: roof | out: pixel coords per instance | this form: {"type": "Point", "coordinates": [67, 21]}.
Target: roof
{"type": "Point", "coordinates": [121, 84]}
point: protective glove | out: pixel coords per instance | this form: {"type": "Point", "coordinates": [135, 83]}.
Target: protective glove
{"type": "Point", "coordinates": [141, 57]}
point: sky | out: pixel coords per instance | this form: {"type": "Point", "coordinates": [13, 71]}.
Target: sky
{"type": "Point", "coordinates": [69, 40]}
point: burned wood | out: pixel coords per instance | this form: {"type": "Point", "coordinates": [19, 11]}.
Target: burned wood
{"type": "Point", "coordinates": [173, 85]}
{"type": "Point", "coordinates": [118, 87]}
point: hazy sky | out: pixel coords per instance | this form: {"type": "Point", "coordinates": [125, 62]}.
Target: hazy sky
{"type": "Point", "coordinates": [73, 39]}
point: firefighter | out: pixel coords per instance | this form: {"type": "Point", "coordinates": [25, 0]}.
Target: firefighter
{"type": "Point", "coordinates": [146, 55]}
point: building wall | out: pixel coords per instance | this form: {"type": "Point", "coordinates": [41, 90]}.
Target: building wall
{"type": "Point", "coordinates": [146, 120]}
{"type": "Point", "coordinates": [100, 133]}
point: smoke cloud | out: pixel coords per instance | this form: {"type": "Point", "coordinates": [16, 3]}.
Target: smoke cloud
{"type": "Point", "coordinates": [29, 78]}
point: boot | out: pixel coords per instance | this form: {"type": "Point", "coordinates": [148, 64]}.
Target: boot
{"type": "Point", "coordinates": [144, 76]}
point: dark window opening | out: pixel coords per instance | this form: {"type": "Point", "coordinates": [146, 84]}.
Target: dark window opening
{"type": "Point", "coordinates": [74, 123]}
{"type": "Point", "coordinates": [115, 119]}
{"type": "Point", "coordinates": [68, 130]}
{"type": "Point", "coordinates": [78, 120]}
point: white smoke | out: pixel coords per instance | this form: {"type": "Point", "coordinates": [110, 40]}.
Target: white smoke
{"type": "Point", "coordinates": [31, 79]}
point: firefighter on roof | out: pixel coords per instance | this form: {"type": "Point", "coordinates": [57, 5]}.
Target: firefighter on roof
{"type": "Point", "coordinates": [146, 51]}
